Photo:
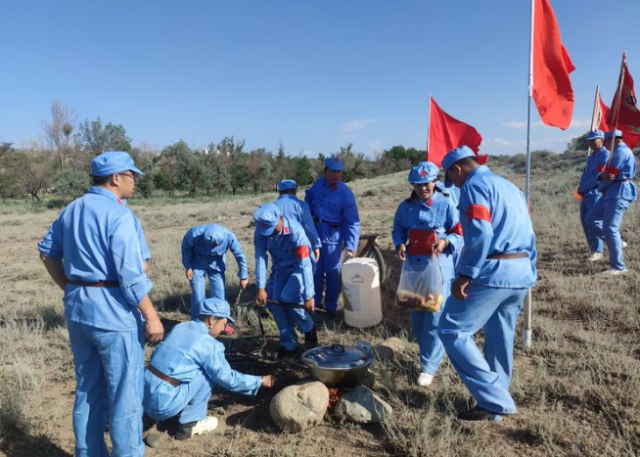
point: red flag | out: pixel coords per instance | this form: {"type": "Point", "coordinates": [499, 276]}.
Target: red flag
{"type": "Point", "coordinates": [552, 91]}
{"type": "Point", "coordinates": [630, 135]}
{"type": "Point", "coordinates": [447, 133]}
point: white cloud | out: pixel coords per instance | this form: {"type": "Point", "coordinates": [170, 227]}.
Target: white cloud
{"type": "Point", "coordinates": [351, 129]}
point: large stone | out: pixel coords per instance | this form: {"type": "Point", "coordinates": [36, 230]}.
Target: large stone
{"type": "Point", "coordinates": [299, 407]}
{"type": "Point", "coordinates": [390, 349]}
{"type": "Point", "coordinates": [363, 406]}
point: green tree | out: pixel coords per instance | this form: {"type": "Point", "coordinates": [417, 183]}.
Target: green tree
{"type": "Point", "coordinates": [71, 183]}
{"type": "Point", "coordinates": [94, 138]}
{"type": "Point", "coordinates": [579, 144]}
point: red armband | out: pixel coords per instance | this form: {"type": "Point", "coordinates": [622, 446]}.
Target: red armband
{"type": "Point", "coordinates": [478, 212]}
{"type": "Point", "coordinates": [613, 170]}
{"type": "Point", "coordinates": [455, 230]}
{"type": "Point", "coordinates": [302, 252]}
{"type": "Point", "coordinates": [601, 168]}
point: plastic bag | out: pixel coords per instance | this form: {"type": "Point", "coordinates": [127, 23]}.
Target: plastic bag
{"type": "Point", "coordinates": [420, 286]}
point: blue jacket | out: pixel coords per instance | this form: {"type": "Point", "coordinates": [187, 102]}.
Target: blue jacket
{"type": "Point", "coordinates": [98, 239]}
{"type": "Point", "coordinates": [187, 352]}
{"type": "Point", "coordinates": [335, 212]}
{"type": "Point", "coordinates": [592, 173]}
{"type": "Point", "coordinates": [289, 253]}
{"type": "Point", "coordinates": [438, 214]}
{"type": "Point", "coordinates": [297, 210]}
{"type": "Point", "coordinates": [623, 166]}
{"type": "Point", "coordinates": [495, 220]}
{"type": "Point", "coordinates": [205, 247]}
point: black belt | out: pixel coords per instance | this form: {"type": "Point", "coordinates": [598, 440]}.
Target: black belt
{"type": "Point", "coordinates": [94, 284]}
{"type": "Point", "coordinates": [509, 255]}
{"type": "Point", "coordinates": [322, 221]}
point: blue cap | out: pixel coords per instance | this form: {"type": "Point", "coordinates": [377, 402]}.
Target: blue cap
{"type": "Point", "coordinates": [112, 162]}
{"type": "Point", "coordinates": [334, 164]}
{"type": "Point", "coordinates": [217, 307]}
{"type": "Point", "coordinates": [595, 134]}
{"type": "Point", "coordinates": [267, 217]}
{"type": "Point", "coordinates": [423, 173]}
{"type": "Point", "coordinates": [608, 135]}
{"type": "Point", "coordinates": [453, 156]}
{"type": "Point", "coordinates": [287, 184]}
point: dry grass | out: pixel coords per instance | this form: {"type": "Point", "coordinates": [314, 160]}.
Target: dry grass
{"type": "Point", "coordinates": [578, 389]}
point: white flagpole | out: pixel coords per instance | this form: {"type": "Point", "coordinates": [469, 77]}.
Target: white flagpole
{"type": "Point", "coordinates": [526, 337]}
{"type": "Point", "coordinates": [595, 119]}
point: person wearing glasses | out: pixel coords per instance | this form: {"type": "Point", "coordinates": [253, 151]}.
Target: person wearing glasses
{"type": "Point", "coordinates": [426, 224]}
{"type": "Point", "coordinates": [186, 367]}
{"type": "Point", "coordinates": [92, 251]}
{"type": "Point", "coordinates": [204, 253]}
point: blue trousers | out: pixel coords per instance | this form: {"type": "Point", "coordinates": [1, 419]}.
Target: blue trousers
{"type": "Point", "coordinates": [593, 239]}
{"type": "Point", "coordinates": [109, 369]}
{"type": "Point", "coordinates": [496, 311]}
{"type": "Point", "coordinates": [611, 213]}
{"type": "Point", "coordinates": [425, 330]}
{"type": "Point", "coordinates": [328, 267]}
{"type": "Point", "coordinates": [190, 400]}
{"type": "Point", "coordinates": [216, 288]}
{"type": "Point", "coordinates": [287, 286]}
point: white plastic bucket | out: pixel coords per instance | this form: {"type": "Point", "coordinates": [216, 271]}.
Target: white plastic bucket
{"type": "Point", "coordinates": [361, 292]}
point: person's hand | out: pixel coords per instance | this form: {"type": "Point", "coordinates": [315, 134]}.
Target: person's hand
{"type": "Point", "coordinates": [351, 254]}
{"type": "Point", "coordinates": [268, 381]}
{"type": "Point", "coordinates": [402, 252]}
{"type": "Point", "coordinates": [310, 305]}
{"type": "Point", "coordinates": [458, 287]}
{"type": "Point", "coordinates": [145, 266]}
{"type": "Point", "coordinates": [243, 283]}
{"type": "Point", "coordinates": [189, 274]}
{"type": "Point", "coordinates": [154, 329]}
{"type": "Point", "coordinates": [261, 297]}
{"type": "Point", "coordinates": [608, 177]}
{"type": "Point", "coordinates": [440, 246]}
{"type": "Point", "coordinates": [316, 253]}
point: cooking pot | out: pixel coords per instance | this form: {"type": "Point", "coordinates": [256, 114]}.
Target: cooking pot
{"type": "Point", "coordinates": [338, 365]}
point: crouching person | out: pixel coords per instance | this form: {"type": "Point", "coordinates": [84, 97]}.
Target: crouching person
{"type": "Point", "coordinates": [184, 369]}
{"type": "Point", "coordinates": [291, 287]}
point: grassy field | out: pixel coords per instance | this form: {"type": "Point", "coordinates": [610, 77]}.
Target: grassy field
{"type": "Point", "coordinates": [578, 389]}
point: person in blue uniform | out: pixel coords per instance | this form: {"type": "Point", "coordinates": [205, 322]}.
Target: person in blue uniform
{"type": "Point", "coordinates": [618, 192]}
{"type": "Point", "coordinates": [294, 209]}
{"type": "Point", "coordinates": [204, 253]}
{"type": "Point", "coordinates": [186, 367]}
{"type": "Point", "coordinates": [494, 273]}
{"type": "Point", "coordinates": [92, 251]}
{"type": "Point", "coordinates": [335, 213]}
{"type": "Point", "coordinates": [426, 215]}
{"type": "Point", "coordinates": [291, 290]}
{"type": "Point", "coordinates": [589, 190]}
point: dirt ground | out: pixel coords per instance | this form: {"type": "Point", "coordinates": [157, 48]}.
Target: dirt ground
{"type": "Point", "coordinates": [578, 389]}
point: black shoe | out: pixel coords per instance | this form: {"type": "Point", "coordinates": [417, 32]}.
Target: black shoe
{"type": "Point", "coordinates": [479, 414]}
{"type": "Point", "coordinates": [311, 338]}
{"type": "Point", "coordinates": [283, 354]}
{"type": "Point", "coordinates": [185, 431]}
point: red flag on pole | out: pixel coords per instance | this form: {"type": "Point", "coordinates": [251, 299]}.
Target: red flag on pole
{"type": "Point", "coordinates": [552, 91]}
{"type": "Point", "coordinates": [627, 116]}
{"type": "Point", "coordinates": [447, 133]}
{"type": "Point", "coordinates": [604, 110]}
{"type": "Point", "coordinates": [630, 135]}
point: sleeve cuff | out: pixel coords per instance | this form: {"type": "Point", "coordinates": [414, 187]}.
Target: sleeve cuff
{"type": "Point", "coordinates": [471, 272]}
{"type": "Point", "coordinates": [136, 290]}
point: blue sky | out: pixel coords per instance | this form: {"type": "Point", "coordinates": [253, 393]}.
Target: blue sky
{"type": "Point", "coordinates": [314, 75]}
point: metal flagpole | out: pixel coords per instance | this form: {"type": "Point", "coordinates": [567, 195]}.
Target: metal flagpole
{"type": "Point", "coordinates": [428, 128]}
{"type": "Point", "coordinates": [596, 117]}
{"type": "Point", "coordinates": [526, 337]}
